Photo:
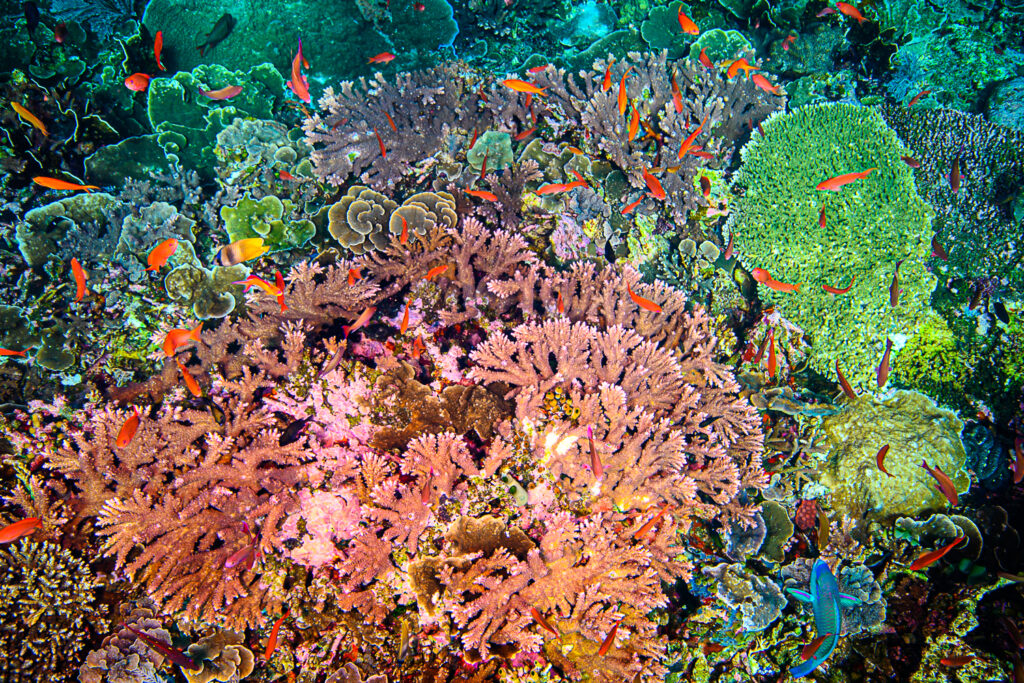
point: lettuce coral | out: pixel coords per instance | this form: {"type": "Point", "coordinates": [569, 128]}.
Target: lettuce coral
{"type": "Point", "coordinates": [869, 226]}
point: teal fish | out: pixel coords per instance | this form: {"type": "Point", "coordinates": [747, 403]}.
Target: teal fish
{"type": "Point", "coordinates": [826, 602]}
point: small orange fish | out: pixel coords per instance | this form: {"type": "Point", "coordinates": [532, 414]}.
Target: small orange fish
{"type": "Point", "coordinates": [279, 281]}
{"type": "Point", "coordinates": [882, 372]}
{"type": "Point", "coordinates": [435, 271]}
{"type": "Point", "coordinates": [160, 253]}
{"type": "Point", "coordinates": [705, 189]}
{"type": "Point", "coordinates": [851, 11]}
{"type": "Point", "coordinates": [677, 96]}
{"type": "Point", "coordinates": [391, 122]}
{"type": "Point", "coordinates": [363, 318]}
{"type": "Point", "coordinates": [559, 304]}
{"type": "Point", "coordinates": [788, 42]}
{"type": "Point", "coordinates": [640, 301]}
{"type": "Point", "coordinates": [650, 524]}
{"type": "Point", "coordinates": [608, 640]}
{"type": "Point", "coordinates": [58, 184]}
{"type": "Point", "coordinates": [382, 58]}
{"type": "Point", "coordinates": [483, 194]}
{"type": "Point", "coordinates": [833, 184]}
{"type": "Point", "coordinates": [894, 286]}
{"type": "Point", "coordinates": [405, 320]}
{"type": "Point", "coordinates": [917, 98]}
{"type": "Point", "coordinates": [704, 59]}
{"type": "Point", "coordinates": [541, 621]}
{"type": "Point", "coordinates": [622, 92]}
{"type": "Point", "coordinates": [12, 532]}
{"type": "Point", "coordinates": [606, 84]}
{"type": "Point", "coordinates": [80, 278]}
{"type": "Point", "coordinates": [1017, 467]}
{"type": "Point", "coordinates": [128, 429]}
{"type": "Point", "coordinates": [946, 486]}
{"type": "Point", "coordinates": [380, 141]}
{"type": "Point", "coordinates": [735, 65]}
{"type": "Point", "coordinates": [525, 134]}
{"type": "Point", "coordinates": [836, 290]}
{"type": "Point", "coordinates": [190, 381]}
{"type": "Point", "coordinates": [762, 276]}
{"type": "Point", "coordinates": [137, 82]}
{"type": "Point", "coordinates": [810, 648]}
{"type": "Point", "coordinates": [178, 337]}
{"type": "Point", "coordinates": [687, 145]}
{"type": "Point", "coordinates": [764, 84]}
{"type": "Point", "coordinates": [404, 237]}
{"type": "Point", "coordinates": [821, 218]}
{"type": "Point", "coordinates": [257, 281]}
{"type": "Point", "coordinates": [686, 23]}
{"type": "Point", "coordinates": [30, 118]}
{"type": "Point", "coordinates": [931, 557]}
{"type": "Point", "coordinates": [537, 69]}
{"type": "Point", "coordinates": [298, 83]}
{"type": "Point", "coordinates": [354, 276]}
{"type": "Point", "coordinates": [523, 86]}
{"type": "Point", "coordinates": [158, 47]}
{"type": "Point", "coordinates": [773, 363]}
{"type": "Point", "coordinates": [962, 660]}
{"type": "Point", "coordinates": [552, 188]}
{"type": "Point", "coordinates": [629, 207]}
{"type": "Point", "coordinates": [241, 251]}
{"type": "Point", "coordinates": [654, 185]}
{"type": "Point", "coordinates": [8, 352]}
{"type": "Point", "coordinates": [418, 347]}
{"type": "Point", "coordinates": [880, 458]}
{"type": "Point", "coordinates": [272, 642]}
{"type": "Point", "coordinates": [634, 123]}
{"type": "Point", "coordinates": [225, 93]}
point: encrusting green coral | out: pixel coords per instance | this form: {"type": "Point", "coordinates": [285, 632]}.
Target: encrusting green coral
{"type": "Point", "coordinates": [495, 147]}
{"type": "Point", "coordinates": [269, 218]}
{"type": "Point", "coordinates": [931, 362]}
{"type": "Point", "coordinates": [870, 225]}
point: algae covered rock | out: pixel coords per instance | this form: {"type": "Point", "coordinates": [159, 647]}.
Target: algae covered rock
{"type": "Point", "coordinates": [869, 226]}
{"type": "Point", "coordinates": [916, 430]}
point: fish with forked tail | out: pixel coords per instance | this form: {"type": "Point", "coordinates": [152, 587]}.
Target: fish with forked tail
{"type": "Point", "coordinates": [221, 30]}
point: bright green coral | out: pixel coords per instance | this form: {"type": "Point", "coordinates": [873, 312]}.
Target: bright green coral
{"type": "Point", "coordinates": [870, 225]}
{"type": "Point", "coordinates": [495, 147]}
{"type": "Point", "coordinates": [721, 45]}
{"type": "Point", "coordinates": [915, 429]}
{"type": "Point", "coordinates": [931, 362]}
{"type": "Point", "coordinates": [269, 218]}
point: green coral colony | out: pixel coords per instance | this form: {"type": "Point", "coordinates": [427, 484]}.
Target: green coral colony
{"type": "Point", "coordinates": [560, 340]}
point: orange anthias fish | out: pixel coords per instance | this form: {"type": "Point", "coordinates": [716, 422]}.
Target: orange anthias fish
{"type": "Point", "coordinates": [632, 205]}
{"type": "Point", "coordinates": [354, 276]}
{"type": "Point", "coordinates": [128, 429]}
{"type": "Point", "coordinates": [8, 352]}
{"type": "Point", "coordinates": [686, 23]}
{"type": "Point", "coordinates": [523, 86]}
{"type": "Point", "coordinates": [158, 47]}
{"type": "Point", "coordinates": [704, 59]}
{"type": "Point", "coordinates": [272, 642]}
{"type": "Point", "coordinates": [654, 185]}
{"type": "Point", "coordinates": [764, 84]}
{"type": "Point", "coordinates": [550, 188]}
{"type": "Point", "coordinates": [523, 135]}
{"type": "Point", "coordinates": [762, 276]}
{"type": "Point", "coordinates": [622, 91]}
{"type": "Point", "coordinates": [687, 145]}
{"type": "Point", "coordinates": [225, 93]}
{"type": "Point", "coordinates": [917, 98]}
{"type": "Point", "coordinates": [833, 184]}
{"type": "Point", "coordinates": [241, 251]}
{"type": "Point", "coordinates": [931, 557]}
{"type": "Point", "coordinates": [735, 65]}
{"type": "Point", "coordinates": [836, 290]}
{"type": "Point", "coordinates": [677, 97]}
{"type": "Point", "coordinates": [606, 84]}
{"type": "Point", "coordinates": [404, 237]}
{"type": "Point", "coordinates": [298, 83]}
{"type": "Point", "coordinates": [962, 660]}
{"type": "Point", "coordinates": [405, 320]}
{"type": "Point", "coordinates": [435, 271]}
{"type": "Point", "coordinates": [391, 122]}
{"type": "Point", "coordinates": [643, 303]}
{"type": "Point", "coordinates": [380, 141]}
{"type": "Point", "coordinates": [173, 654]}
{"type": "Point", "coordinates": [483, 194]}
{"type": "Point", "coordinates": [363, 318]}
{"type": "Point", "coordinates": [58, 184]}
{"type": "Point", "coordinates": [880, 458]}
{"type": "Point", "coordinates": [137, 82]}
{"type": "Point", "coordinates": [634, 123]}
{"type": "Point", "coordinates": [190, 381]}
{"type": "Point", "coordinates": [382, 58]}
{"type": "Point", "coordinates": [559, 305]}
{"type": "Point", "coordinates": [894, 286]}
{"type": "Point", "coordinates": [541, 621]}
{"type": "Point", "coordinates": [178, 337]}
{"type": "Point", "coordinates": [256, 281]}
{"type": "Point", "coordinates": [882, 373]}
{"type": "Point", "coordinates": [80, 277]}
{"type": "Point", "coordinates": [946, 487]}
{"type": "Point", "coordinates": [773, 363]}
{"type": "Point", "coordinates": [608, 640]}
{"type": "Point", "coordinates": [851, 11]}
{"type": "Point", "coordinates": [596, 466]}
{"type": "Point", "coordinates": [650, 524]}
{"type": "Point", "coordinates": [12, 532]}
{"type": "Point", "coordinates": [160, 253]}
{"type": "Point", "coordinates": [279, 281]}
{"type": "Point", "coordinates": [30, 118]}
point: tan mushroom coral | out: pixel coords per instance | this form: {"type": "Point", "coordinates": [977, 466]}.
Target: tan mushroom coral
{"type": "Point", "coordinates": [357, 220]}
{"type": "Point", "coordinates": [223, 657]}
{"type": "Point", "coordinates": [424, 210]}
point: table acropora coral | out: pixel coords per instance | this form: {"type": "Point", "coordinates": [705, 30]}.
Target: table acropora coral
{"type": "Point", "coordinates": [915, 430]}
{"type": "Point", "coordinates": [869, 226]}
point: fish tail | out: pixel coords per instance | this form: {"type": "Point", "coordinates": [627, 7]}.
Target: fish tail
{"type": "Point", "coordinates": [195, 333]}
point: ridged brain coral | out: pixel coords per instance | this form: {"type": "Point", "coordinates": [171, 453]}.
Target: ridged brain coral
{"type": "Point", "coordinates": [869, 226]}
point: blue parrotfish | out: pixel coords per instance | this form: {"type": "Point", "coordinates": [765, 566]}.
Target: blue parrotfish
{"type": "Point", "coordinates": [826, 601]}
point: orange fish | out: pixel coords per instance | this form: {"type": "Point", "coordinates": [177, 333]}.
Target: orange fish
{"type": "Point", "coordinates": [435, 271]}
{"type": "Point", "coordinates": [158, 47]}
{"type": "Point", "coordinates": [650, 524]}
{"type": "Point", "coordinates": [962, 660]}
{"type": "Point", "coordinates": [178, 337]}
{"type": "Point", "coordinates": [363, 318]}
{"type": "Point", "coordinates": [8, 352]}
{"type": "Point", "coordinates": [80, 278]}
{"type": "Point", "coordinates": [541, 621]}
{"type": "Point", "coordinates": [418, 347]}
{"type": "Point", "coordinates": [12, 532]}
{"type": "Point", "coordinates": [382, 58]}
{"type": "Point", "coordinates": [256, 281]}
{"type": "Point", "coordinates": [243, 250]}
{"type": "Point", "coordinates": [836, 290]}
{"type": "Point", "coordinates": [552, 188]}
{"type": "Point", "coordinates": [911, 161]}
{"type": "Point", "coordinates": [788, 42]}
{"type": "Point", "coordinates": [762, 276]}
{"type": "Point", "coordinates": [687, 145]}
{"type": "Point", "coordinates": [137, 82]}
{"type": "Point", "coordinates": [894, 286]}
{"type": "Point", "coordinates": [404, 237]}
{"type": "Point", "coordinates": [654, 185]}
{"type": "Point", "coordinates": [560, 305]}
{"type": "Point", "coordinates": [764, 84]}
{"type": "Point", "coordinates": [622, 92]}
{"type": "Point", "coordinates": [629, 207]}
{"type": "Point", "coordinates": [354, 276]}
{"type": "Point", "coordinates": [735, 65]}
{"type": "Point", "coordinates": [821, 218]}
{"type": "Point", "coordinates": [851, 11]}
{"type": "Point", "coordinates": [686, 23]}
{"type": "Point", "coordinates": [634, 123]}
{"type": "Point", "coordinates": [882, 372]}
{"type": "Point", "coordinates": [677, 97]}
{"type": "Point", "coordinates": [931, 557]}
{"type": "Point", "coordinates": [279, 281]}
{"type": "Point", "coordinates": [158, 256]}
{"type": "Point", "coordinates": [225, 93]}
{"type": "Point", "coordinates": [945, 483]}
{"type": "Point", "coordinates": [525, 134]}
{"type": "Point", "coordinates": [380, 141]}
{"type": "Point", "coordinates": [190, 381]}
{"type": "Point", "coordinates": [606, 84]}
{"type": "Point", "coordinates": [30, 118]}
{"type": "Point", "coordinates": [483, 194]}
{"type": "Point", "coordinates": [58, 184]}
{"type": "Point", "coordinates": [727, 254]}
{"type": "Point", "coordinates": [833, 184]}
{"type": "Point", "coordinates": [880, 458]}
{"type": "Point", "coordinates": [954, 176]}
{"type": "Point", "coordinates": [640, 301]}
{"type": "Point", "coordinates": [917, 98]}
{"type": "Point", "coordinates": [405, 320]}
{"type": "Point", "coordinates": [523, 86]}
{"type": "Point", "coordinates": [128, 429]}
{"type": "Point", "coordinates": [608, 640]}
{"type": "Point", "coordinates": [298, 83]}
{"type": "Point", "coordinates": [704, 59]}
{"type": "Point", "coordinates": [537, 69]}
{"type": "Point", "coordinates": [391, 122]}
{"type": "Point", "coordinates": [596, 466]}
{"type": "Point", "coordinates": [272, 642]}
{"type": "Point", "coordinates": [773, 364]}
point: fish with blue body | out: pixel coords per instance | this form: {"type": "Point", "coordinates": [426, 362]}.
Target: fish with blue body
{"type": "Point", "coordinates": [826, 602]}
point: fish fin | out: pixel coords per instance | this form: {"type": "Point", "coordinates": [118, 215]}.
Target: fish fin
{"type": "Point", "coordinates": [848, 600]}
{"type": "Point", "coordinates": [802, 596]}
{"type": "Point", "coordinates": [823, 652]}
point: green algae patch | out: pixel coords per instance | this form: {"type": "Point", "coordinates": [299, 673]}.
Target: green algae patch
{"type": "Point", "coordinates": [870, 224]}
{"type": "Point", "coordinates": [915, 429]}
{"type": "Point", "coordinates": [269, 218]}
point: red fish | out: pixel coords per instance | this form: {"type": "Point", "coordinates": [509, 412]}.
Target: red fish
{"type": "Point", "coordinates": [483, 194]}
{"type": "Point", "coordinates": [606, 84]}
{"type": "Point", "coordinates": [727, 254]}
{"type": "Point", "coordinates": [298, 83]}
{"type": "Point", "coordinates": [225, 93]}
{"type": "Point", "coordinates": [257, 281]}
{"type": "Point", "coordinates": [686, 23]}
{"type": "Point", "coordinates": [735, 65]}
{"type": "Point", "coordinates": [762, 276]}
{"type": "Point", "coordinates": [541, 621]}
{"type": "Point", "coordinates": [178, 337]}
{"type": "Point", "coordinates": [847, 389]}
{"type": "Point", "coordinates": [705, 188]}
{"type": "Point", "coordinates": [821, 218]}
{"type": "Point", "coordinates": [525, 134]}
{"type": "Point", "coordinates": [677, 97]}
{"type": "Point", "coordinates": [622, 92]}
{"type": "Point", "coordinates": [391, 122]}
{"type": "Point", "coordinates": [704, 59]}
{"type": "Point", "coordinates": [190, 381]}
{"type": "Point", "coordinates": [634, 123]}
{"type": "Point", "coordinates": [175, 655]}
{"type": "Point", "coordinates": [418, 347]}
{"type": "Point", "coordinates": [354, 276]}
{"type": "Point", "coordinates": [435, 271]}
{"type": "Point", "coordinates": [380, 141]}
{"type": "Point", "coordinates": [643, 303]}
{"type": "Point", "coordinates": [60, 32]}
{"type": "Point", "coordinates": [559, 304]}
{"type": "Point", "coordinates": [836, 290]}
{"type": "Point", "coordinates": [880, 458]}
{"type": "Point", "coordinates": [833, 184]}
{"type": "Point", "coordinates": [58, 184]}
{"type": "Point", "coordinates": [158, 256]}
{"type": "Point", "coordinates": [419, 6]}
{"type": "Point", "coordinates": [650, 524]}
{"type": "Point", "coordinates": [12, 532]}
{"type": "Point", "coordinates": [405, 320]}
{"type": "Point", "coordinates": [946, 487]}
{"type": "Point", "coordinates": [894, 286]}
{"type": "Point", "coordinates": [128, 429]}
{"type": "Point", "coordinates": [523, 86]}
{"type": "Point", "coordinates": [382, 58]}
{"type": "Point", "coordinates": [403, 238]}
{"type": "Point", "coordinates": [137, 82]}
{"type": "Point", "coordinates": [825, 12]}
{"type": "Point", "coordinates": [687, 145]}
{"type": "Point", "coordinates": [608, 640]}
{"type": "Point", "coordinates": [80, 278]}
{"type": "Point", "coordinates": [962, 660]}
{"type": "Point", "coordinates": [158, 47]}
{"type": "Point", "coordinates": [363, 318]}
{"type": "Point", "coordinates": [596, 466]}
{"type": "Point", "coordinates": [810, 648]}
{"type": "Point", "coordinates": [931, 557]}
{"type": "Point", "coordinates": [917, 98]}
{"type": "Point", "coordinates": [279, 281]}
{"type": "Point", "coordinates": [764, 84]}
{"type": "Point", "coordinates": [272, 642]}
{"type": "Point", "coordinates": [788, 42]}
{"type": "Point", "coordinates": [882, 373]}
{"type": "Point", "coordinates": [911, 162]}
{"type": "Point", "coordinates": [773, 364]}
{"type": "Point", "coordinates": [851, 11]}
{"type": "Point", "coordinates": [629, 207]}
{"type": "Point", "coordinates": [654, 185]}
{"type": "Point", "coordinates": [954, 176]}
{"type": "Point", "coordinates": [8, 352]}
{"type": "Point", "coordinates": [285, 175]}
